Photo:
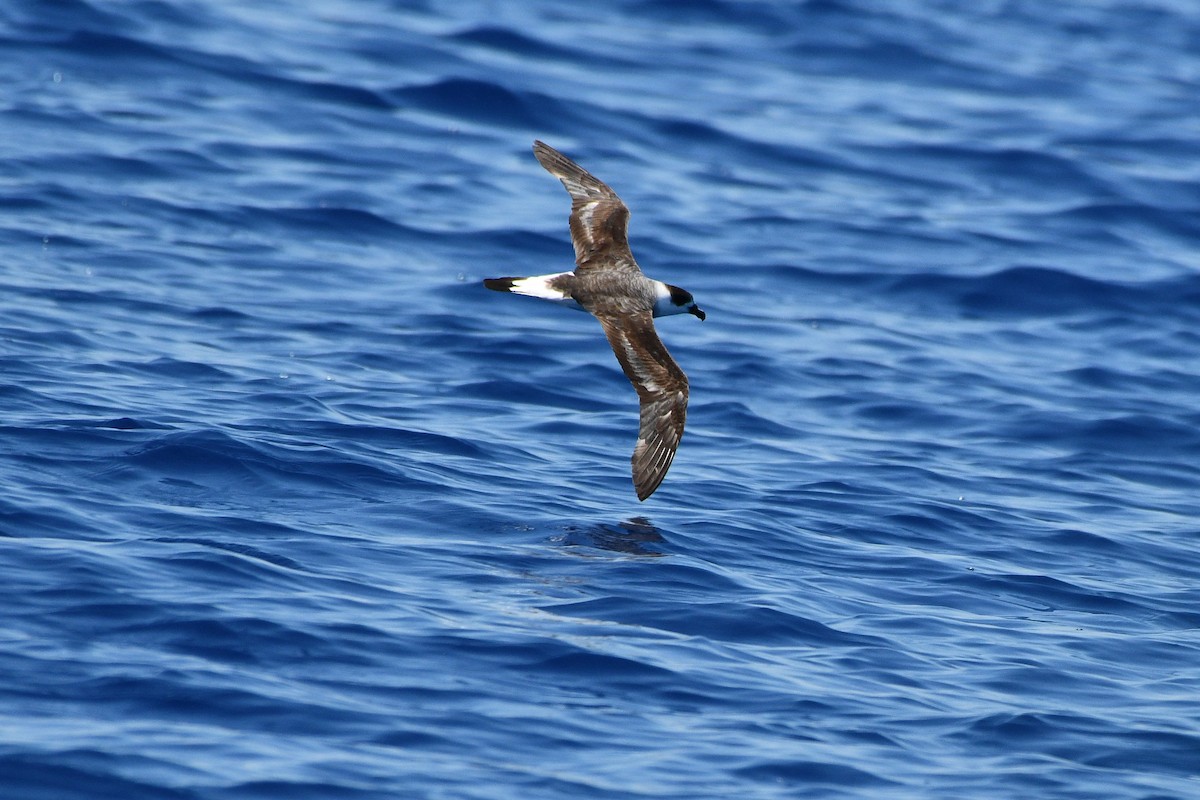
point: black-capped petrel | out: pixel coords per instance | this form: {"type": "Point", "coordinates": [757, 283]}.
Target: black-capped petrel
{"type": "Point", "coordinates": [608, 283]}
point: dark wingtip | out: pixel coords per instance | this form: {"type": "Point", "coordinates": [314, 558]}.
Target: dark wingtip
{"type": "Point", "coordinates": [648, 485]}
{"type": "Point", "coordinates": [645, 491]}
{"type": "Point", "coordinates": [500, 284]}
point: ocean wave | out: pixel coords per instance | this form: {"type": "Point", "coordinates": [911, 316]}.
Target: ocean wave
{"type": "Point", "coordinates": [294, 505]}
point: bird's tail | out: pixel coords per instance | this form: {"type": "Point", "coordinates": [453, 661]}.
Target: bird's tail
{"type": "Point", "coordinates": [545, 287]}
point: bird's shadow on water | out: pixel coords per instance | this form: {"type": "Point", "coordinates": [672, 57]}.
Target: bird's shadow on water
{"type": "Point", "coordinates": [635, 536]}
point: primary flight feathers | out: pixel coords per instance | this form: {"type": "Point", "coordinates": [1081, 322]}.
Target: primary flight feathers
{"type": "Point", "coordinates": [608, 283]}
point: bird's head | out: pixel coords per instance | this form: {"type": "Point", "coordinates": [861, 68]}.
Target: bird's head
{"type": "Point", "coordinates": [677, 301]}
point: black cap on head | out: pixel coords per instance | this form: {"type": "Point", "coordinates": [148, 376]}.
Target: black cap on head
{"type": "Point", "coordinates": [680, 297]}
{"type": "Point", "coordinates": [683, 299]}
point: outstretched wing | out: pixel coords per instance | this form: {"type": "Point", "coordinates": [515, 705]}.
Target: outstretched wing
{"type": "Point", "coordinates": [662, 388]}
{"type": "Point", "coordinates": [599, 220]}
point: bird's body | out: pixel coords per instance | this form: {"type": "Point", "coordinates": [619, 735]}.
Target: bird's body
{"type": "Point", "coordinates": [608, 283]}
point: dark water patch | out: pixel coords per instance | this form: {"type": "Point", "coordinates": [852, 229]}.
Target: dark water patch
{"type": "Point", "coordinates": [523, 393]}
{"type": "Point", "coordinates": [696, 134]}
{"type": "Point", "coordinates": [298, 789]}
{"type": "Point", "coordinates": [762, 19]}
{"type": "Point", "coordinates": [105, 297]}
{"type": "Point", "coordinates": [616, 670]}
{"type": "Point", "coordinates": [219, 314]}
{"type": "Point", "coordinates": [337, 223]}
{"type": "Point", "coordinates": [519, 43]}
{"type": "Point", "coordinates": [48, 340]}
{"type": "Point", "coordinates": [1107, 378]}
{"type": "Point", "coordinates": [20, 399]}
{"type": "Point", "coordinates": [201, 699]}
{"type": "Point", "coordinates": [340, 434]}
{"type": "Point", "coordinates": [120, 424]}
{"type": "Point", "coordinates": [248, 72]}
{"type": "Point", "coordinates": [180, 162]}
{"type": "Point", "coordinates": [75, 13]}
{"type": "Point", "coordinates": [812, 774]}
{"type": "Point", "coordinates": [24, 519]}
{"type": "Point", "coordinates": [907, 416]}
{"type": "Point", "coordinates": [1030, 728]}
{"type": "Point", "coordinates": [196, 453]}
{"type": "Point", "coordinates": [1039, 291]}
{"type": "Point", "coordinates": [636, 536]}
{"type": "Point", "coordinates": [1031, 169]}
{"type": "Point", "coordinates": [175, 369]}
{"type": "Point", "coordinates": [1168, 752]}
{"type": "Point", "coordinates": [1177, 475]}
{"type": "Point", "coordinates": [1110, 745]}
{"type": "Point", "coordinates": [730, 415]}
{"type": "Point", "coordinates": [240, 641]}
{"type": "Point", "coordinates": [735, 622]}
{"type": "Point", "coordinates": [1141, 434]}
{"type": "Point", "coordinates": [96, 165]}
{"type": "Point", "coordinates": [214, 461]}
{"type": "Point", "coordinates": [111, 49]}
{"type": "Point", "coordinates": [1087, 541]}
{"type": "Point", "coordinates": [79, 775]}
{"type": "Point", "coordinates": [1122, 215]}
{"type": "Point", "coordinates": [323, 91]}
{"type": "Point", "coordinates": [1133, 435]}
{"type": "Point", "coordinates": [128, 52]}
{"type": "Point", "coordinates": [919, 64]}
{"type": "Point", "coordinates": [749, 370]}
{"type": "Point", "coordinates": [1048, 593]}
{"type": "Point", "coordinates": [411, 738]}
{"type": "Point", "coordinates": [485, 102]}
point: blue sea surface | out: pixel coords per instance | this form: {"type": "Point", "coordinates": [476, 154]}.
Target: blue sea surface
{"type": "Point", "coordinates": [294, 508]}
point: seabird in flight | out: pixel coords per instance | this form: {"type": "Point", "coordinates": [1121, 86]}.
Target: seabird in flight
{"type": "Point", "coordinates": [608, 283]}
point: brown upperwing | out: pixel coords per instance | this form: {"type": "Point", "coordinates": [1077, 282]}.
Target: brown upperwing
{"type": "Point", "coordinates": [599, 220]}
{"type": "Point", "coordinates": [662, 388]}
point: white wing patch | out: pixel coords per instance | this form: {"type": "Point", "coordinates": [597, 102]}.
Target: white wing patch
{"type": "Point", "coordinates": [587, 213]}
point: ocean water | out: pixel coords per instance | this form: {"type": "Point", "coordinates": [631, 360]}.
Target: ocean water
{"type": "Point", "coordinates": [293, 508]}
